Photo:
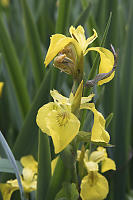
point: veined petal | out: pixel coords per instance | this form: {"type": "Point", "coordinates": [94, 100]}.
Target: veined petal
{"type": "Point", "coordinates": [42, 116]}
{"type": "Point", "coordinates": [106, 63]}
{"type": "Point", "coordinates": [107, 164]}
{"type": "Point", "coordinates": [94, 187]}
{"type": "Point", "coordinates": [63, 127]}
{"type": "Point", "coordinates": [7, 190]}
{"type": "Point", "coordinates": [1, 86]}
{"type": "Point", "coordinates": [99, 134]}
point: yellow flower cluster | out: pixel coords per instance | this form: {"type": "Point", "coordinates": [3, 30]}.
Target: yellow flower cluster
{"type": "Point", "coordinates": [60, 119]}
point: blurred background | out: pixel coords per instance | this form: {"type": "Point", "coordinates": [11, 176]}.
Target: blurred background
{"type": "Point", "coordinates": [25, 30]}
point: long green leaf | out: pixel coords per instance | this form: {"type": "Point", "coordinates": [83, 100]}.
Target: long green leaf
{"type": "Point", "coordinates": [28, 135]}
{"type": "Point", "coordinates": [14, 69]}
{"type": "Point", "coordinates": [44, 166]}
{"type": "Point", "coordinates": [11, 158]}
{"type": "Point", "coordinates": [33, 43]}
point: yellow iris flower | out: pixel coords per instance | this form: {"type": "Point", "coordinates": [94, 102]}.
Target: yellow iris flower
{"type": "Point", "coordinates": [1, 86]}
{"type": "Point", "coordinates": [94, 186]}
{"type": "Point", "coordinates": [57, 120]}
{"type": "Point", "coordinates": [70, 52]}
{"type": "Point", "coordinates": [29, 178]}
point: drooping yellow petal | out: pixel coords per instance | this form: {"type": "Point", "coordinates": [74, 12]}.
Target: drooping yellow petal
{"type": "Point", "coordinates": [106, 63]}
{"type": "Point", "coordinates": [99, 134]}
{"type": "Point", "coordinates": [94, 187]}
{"type": "Point", "coordinates": [42, 116]}
{"type": "Point", "coordinates": [107, 164]}
{"type": "Point", "coordinates": [79, 35]}
{"type": "Point", "coordinates": [1, 86]}
{"type": "Point", "coordinates": [57, 43]}
{"type": "Point", "coordinates": [63, 126]}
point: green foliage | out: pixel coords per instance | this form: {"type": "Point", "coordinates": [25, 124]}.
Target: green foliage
{"type": "Point", "coordinates": [68, 192]}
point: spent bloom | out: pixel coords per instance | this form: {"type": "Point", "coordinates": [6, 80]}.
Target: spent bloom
{"type": "Point", "coordinates": [28, 178]}
{"type": "Point", "coordinates": [69, 51]}
{"type": "Point", "coordinates": [94, 186]}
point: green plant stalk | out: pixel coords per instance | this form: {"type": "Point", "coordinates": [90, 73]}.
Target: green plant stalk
{"type": "Point", "coordinates": [33, 43]}
{"type": "Point", "coordinates": [14, 69]}
{"type": "Point", "coordinates": [44, 166]}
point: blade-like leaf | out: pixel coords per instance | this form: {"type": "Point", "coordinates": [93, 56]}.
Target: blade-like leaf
{"type": "Point", "coordinates": [6, 166]}
{"type": "Point", "coordinates": [11, 158]}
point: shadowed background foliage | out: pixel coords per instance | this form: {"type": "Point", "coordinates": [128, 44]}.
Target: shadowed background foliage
{"type": "Point", "coordinates": [25, 30]}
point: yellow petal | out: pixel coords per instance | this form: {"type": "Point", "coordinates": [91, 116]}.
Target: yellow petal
{"type": "Point", "coordinates": [94, 189]}
{"type": "Point", "coordinates": [29, 162]}
{"type": "Point", "coordinates": [91, 166]}
{"type": "Point", "coordinates": [28, 174]}
{"type": "Point", "coordinates": [99, 134]}
{"type": "Point", "coordinates": [92, 38]}
{"type": "Point", "coordinates": [7, 190]}
{"type": "Point", "coordinates": [57, 43]}
{"type": "Point", "coordinates": [59, 98]}
{"type": "Point", "coordinates": [106, 63]}
{"type": "Point", "coordinates": [63, 126]}
{"type": "Point", "coordinates": [1, 86]}
{"type": "Point", "coordinates": [87, 99]}
{"type": "Point", "coordinates": [42, 116]}
{"type": "Point", "coordinates": [79, 35]}
{"type": "Point", "coordinates": [97, 156]}
{"type": "Point", "coordinates": [108, 164]}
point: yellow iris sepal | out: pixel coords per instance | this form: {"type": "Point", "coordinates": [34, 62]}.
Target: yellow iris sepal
{"type": "Point", "coordinates": [59, 123]}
